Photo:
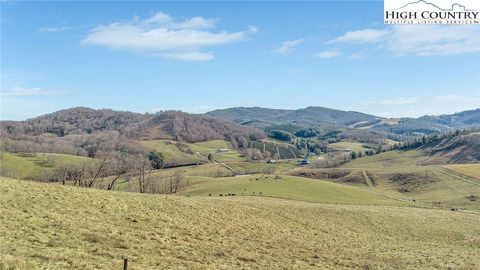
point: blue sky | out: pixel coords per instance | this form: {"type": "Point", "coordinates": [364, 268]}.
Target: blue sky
{"type": "Point", "coordinates": [200, 56]}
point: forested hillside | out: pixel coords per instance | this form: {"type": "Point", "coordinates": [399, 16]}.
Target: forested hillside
{"type": "Point", "coordinates": [311, 116]}
{"type": "Point", "coordinates": [80, 131]}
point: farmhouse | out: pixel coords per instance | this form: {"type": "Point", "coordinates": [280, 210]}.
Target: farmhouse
{"type": "Point", "coordinates": [304, 161]}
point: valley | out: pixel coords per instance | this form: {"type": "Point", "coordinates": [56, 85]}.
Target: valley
{"type": "Point", "coordinates": [195, 192]}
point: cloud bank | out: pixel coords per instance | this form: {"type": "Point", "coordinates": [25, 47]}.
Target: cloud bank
{"type": "Point", "coordinates": [164, 36]}
{"type": "Point", "coordinates": [419, 40]}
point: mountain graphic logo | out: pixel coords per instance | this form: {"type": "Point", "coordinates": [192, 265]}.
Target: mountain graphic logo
{"type": "Point", "coordinates": [452, 7]}
{"type": "Point", "coordinates": [431, 11]}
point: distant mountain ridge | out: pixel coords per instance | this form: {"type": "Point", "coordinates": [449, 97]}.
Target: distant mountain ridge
{"type": "Point", "coordinates": [465, 118]}
{"type": "Point", "coordinates": [326, 117]}
{"type": "Point", "coordinates": [310, 116]}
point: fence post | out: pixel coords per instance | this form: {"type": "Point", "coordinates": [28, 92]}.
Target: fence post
{"type": "Point", "coordinates": [125, 263]}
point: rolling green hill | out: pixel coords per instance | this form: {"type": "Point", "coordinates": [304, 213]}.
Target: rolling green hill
{"type": "Point", "coordinates": [287, 187]}
{"type": "Point", "coordinates": [401, 174]}
{"type": "Point", "coordinates": [46, 226]}
{"type": "Point", "coordinates": [35, 166]}
{"type": "Point", "coordinates": [345, 145]}
{"type": "Point", "coordinates": [282, 149]}
{"type": "Point", "coordinates": [176, 153]}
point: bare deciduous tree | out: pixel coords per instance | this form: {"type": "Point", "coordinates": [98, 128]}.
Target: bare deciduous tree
{"type": "Point", "coordinates": [175, 181]}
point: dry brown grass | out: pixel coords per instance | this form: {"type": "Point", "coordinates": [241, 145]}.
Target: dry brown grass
{"type": "Point", "coordinates": [59, 227]}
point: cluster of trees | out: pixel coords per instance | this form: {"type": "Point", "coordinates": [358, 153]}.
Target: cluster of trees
{"type": "Point", "coordinates": [364, 136]}
{"type": "Point", "coordinates": [280, 135]}
{"type": "Point", "coordinates": [80, 145]}
{"type": "Point", "coordinates": [255, 154]}
{"type": "Point", "coordinates": [438, 137]}
{"type": "Point", "coordinates": [78, 121]}
{"type": "Point", "coordinates": [111, 165]}
{"type": "Point", "coordinates": [197, 128]}
{"type": "Point", "coordinates": [409, 128]}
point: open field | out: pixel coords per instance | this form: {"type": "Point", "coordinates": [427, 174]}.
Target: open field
{"type": "Point", "coordinates": [212, 147]}
{"type": "Point", "coordinates": [262, 167]}
{"type": "Point", "coordinates": [282, 149]}
{"type": "Point", "coordinates": [174, 153]}
{"type": "Point", "coordinates": [399, 174]}
{"type": "Point", "coordinates": [393, 160]}
{"type": "Point", "coordinates": [472, 170]}
{"type": "Point", "coordinates": [35, 166]}
{"type": "Point", "coordinates": [343, 145]}
{"type": "Point", "coordinates": [53, 226]}
{"type": "Point", "coordinates": [129, 183]}
{"type": "Point", "coordinates": [287, 187]}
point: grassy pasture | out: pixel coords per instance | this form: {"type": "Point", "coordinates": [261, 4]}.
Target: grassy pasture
{"type": "Point", "coordinates": [435, 185]}
{"type": "Point", "coordinates": [262, 167]}
{"type": "Point", "coordinates": [341, 146]}
{"type": "Point", "coordinates": [285, 150]}
{"type": "Point", "coordinates": [391, 160]}
{"type": "Point", "coordinates": [129, 183]}
{"type": "Point", "coordinates": [172, 153]}
{"type": "Point", "coordinates": [212, 147]}
{"type": "Point", "coordinates": [287, 187]}
{"type": "Point", "coordinates": [472, 170]}
{"type": "Point", "coordinates": [47, 226]}
{"type": "Point", "coordinates": [187, 152]}
{"type": "Point", "coordinates": [36, 165]}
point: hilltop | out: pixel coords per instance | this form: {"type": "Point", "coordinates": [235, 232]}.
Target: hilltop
{"type": "Point", "coordinates": [162, 125]}
{"type": "Point", "coordinates": [310, 116]}
{"type": "Point", "coordinates": [455, 150]}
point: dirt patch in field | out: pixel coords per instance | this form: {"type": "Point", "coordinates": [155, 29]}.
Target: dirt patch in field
{"type": "Point", "coordinates": [355, 177]}
{"type": "Point", "coordinates": [411, 182]}
{"type": "Point", "coordinates": [323, 173]}
{"type": "Point", "coordinates": [334, 175]}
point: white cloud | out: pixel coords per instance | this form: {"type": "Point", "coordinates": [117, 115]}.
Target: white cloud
{"type": "Point", "coordinates": [17, 91]}
{"type": "Point", "coordinates": [196, 23]}
{"type": "Point", "coordinates": [288, 46]}
{"type": "Point", "coordinates": [456, 99]}
{"type": "Point", "coordinates": [158, 17]}
{"type": "Point", "coordinates": [399, 101]}
{"type": "Point", "coordinates": [420, 40]}
{"type": "Point", "coordinates": [434, 39]}
{"type": "Point", "coordinates": [189, 56]}
{"type": "Point", "coordinates": [252, 29]}
{"type": "Point", "coordinates": [52, 29]}
{"type": "Point", "coordinates": [162, 35]}
{"type": "Point", "coordinates": [328, 54]}
{"type": "Point", "coordinates": [361, 36]}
